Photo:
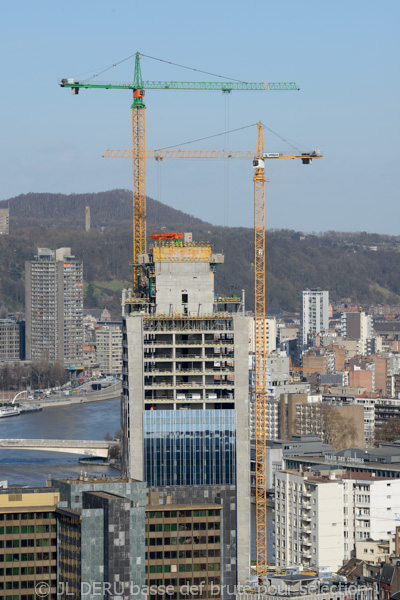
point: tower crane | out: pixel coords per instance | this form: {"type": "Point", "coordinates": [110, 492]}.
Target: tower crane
{"type": "Point", "coordinates": [138, 87]}
{"type": "Point", "coordinates": [260, 349]}
{"type": "Point", "coordinates": [259, 306]}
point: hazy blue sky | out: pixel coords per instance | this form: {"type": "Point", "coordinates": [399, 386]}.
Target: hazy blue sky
{"type": "Point", "coordinates": [344, 56]}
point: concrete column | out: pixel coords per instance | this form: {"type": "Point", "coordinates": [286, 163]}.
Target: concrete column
{"type": "Point", "coordinates": [241, 340]}
{"type": "Point", "coordinates": [135, 408]}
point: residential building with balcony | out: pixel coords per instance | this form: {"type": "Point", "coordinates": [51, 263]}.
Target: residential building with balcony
{"type": "Point", "coordinates": [54, 307]}
{"type": "Point", "coordinates": [109, 349]}
{"type": "Point", "coordinates": [320, 516]}
{"type": "Point", "coordinates": [314, 315]}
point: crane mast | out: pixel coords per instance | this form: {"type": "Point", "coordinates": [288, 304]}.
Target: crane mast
{"type": "Point", "coordinates": [139, 175]}
{"type": "Point", "coordinates": [259, 354]}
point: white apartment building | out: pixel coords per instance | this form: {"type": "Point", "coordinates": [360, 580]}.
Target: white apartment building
{"type": "Point", "coordinates": [369, 419]}
{"type": "Point", "coordinates": [314, 316]}
{"type": "Point", "coordinates": [371, 506]}
{"type": "Point", "coordinates": [320, 517]}
{"type": "Point", "coordinates": [109, 350]}
{"type": "Point", "coordinates": [308, 520]}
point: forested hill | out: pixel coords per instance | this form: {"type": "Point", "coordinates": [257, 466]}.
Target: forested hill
{"type": "Point", "coordinates": [106, 208]}
{"type": "Point", "coordinates": [364, 267]}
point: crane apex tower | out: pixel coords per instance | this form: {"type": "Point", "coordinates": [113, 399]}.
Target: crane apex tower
{"type": "Point", "coordinates": [185, 403]}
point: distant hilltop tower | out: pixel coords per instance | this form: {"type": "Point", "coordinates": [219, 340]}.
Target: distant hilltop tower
{"type": "Point", "coordinates": [87, 218]}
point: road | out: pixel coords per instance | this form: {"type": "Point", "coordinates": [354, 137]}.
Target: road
{"type": "Point", "coordinates": [81, 395]}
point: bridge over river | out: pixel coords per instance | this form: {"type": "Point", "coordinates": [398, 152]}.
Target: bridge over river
{"type": "Point", "coordinates": [81, 447]}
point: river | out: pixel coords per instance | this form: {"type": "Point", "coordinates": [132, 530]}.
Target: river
{"type": "Point", "coordinates": [74, 422]}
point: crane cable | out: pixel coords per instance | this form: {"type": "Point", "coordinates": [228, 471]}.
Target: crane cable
{"type": "Point", "coordinates": [224, 133]}
{"type": "Point", "coordinates": [192, 68]}
{"type": "Point", "coordinates": [286, 140]}
{"type": "Point", "coordinates": [206, 138]}
{"type": "Point", "coordinates": [103, 70]}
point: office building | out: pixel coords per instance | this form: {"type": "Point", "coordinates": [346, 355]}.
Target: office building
{"type": "Point", "coordinates": [4, 221]}
{"type": "Point", "coordinates": [28, 542]}
{"type": "Point", "coordinates": [189, 535]}
{"type": "Point", "coordinates": [101, 538]}
{"type": "Point", "coordinates": [314, 315]}
{"type": "Point", "coordinates": [109, 349]}
{"type": "Point", "coordinates": [54, 307]}
{"type": "Point", "coordinates": [185, 405]}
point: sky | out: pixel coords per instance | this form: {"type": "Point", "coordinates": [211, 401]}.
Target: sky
{"type": "Point", "coordinates": [343, 55]}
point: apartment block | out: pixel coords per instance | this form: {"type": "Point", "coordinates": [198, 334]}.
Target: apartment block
{"type": "Point", "coordinates": [4, 221]}
{"type": "Point", "coordinates": [9, 340]}
{"type": "Point", "coordinates": [28, 542]}
{"type": "Point", "coordinates": [337, 424]}
{"type": "Point", "coordinates": [109, 349]}
{"type": "Point", "coordinates": [277, 380]}
{"type": "Point", "coordinates": [358, 326]}
{"type": "Point", "coordinates": [318, 360]}
{"type": "Point", "coordinates": [314, 314]}
{"type": "Point", "coordinates": [321, 516]}
{"type": "Point", "coordinates": [371, 505]}
{"type": "Point", "coordinates": [54, 306]}
{"type": "Point", "coordinates": [185, 404]}
{"type": "Point", "coordinates": [270, 334]}
{"type": "Point", "coordinates": [309, 521]}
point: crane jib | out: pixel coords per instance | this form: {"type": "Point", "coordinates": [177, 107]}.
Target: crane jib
{"type": "Point", "coordinates": [184, 85]}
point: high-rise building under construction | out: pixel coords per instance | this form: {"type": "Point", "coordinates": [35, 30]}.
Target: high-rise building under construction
{"type": "Point", "coordinates": [185, 405]}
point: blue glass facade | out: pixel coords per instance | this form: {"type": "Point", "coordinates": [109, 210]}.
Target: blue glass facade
{"type": "Point", "coordinates": [190, 447]}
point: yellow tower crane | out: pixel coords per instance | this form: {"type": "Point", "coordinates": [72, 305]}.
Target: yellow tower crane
{"type": "Point", "coordinates": [259, 306]}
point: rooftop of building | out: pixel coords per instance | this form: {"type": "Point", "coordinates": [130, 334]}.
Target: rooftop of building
{"type": "Point", "coordinates": [331, 476]}
{"type": "Point", "coordinates": [22, 489]}
{"type": "Point", "coordinates": [295, 577]}
{"type": "Point", "coordinates": [190, 507]}
{"type": "Point", "coordinates": [363, 476]}
{"type": "Point", "coordinates": [371, 458]}
{"type": "Point", "coordinates": [99, 480]}
{"type": "Point", "coordinates": [107, 495]}
{"type": "Point", "coordinates": [69, 512]}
